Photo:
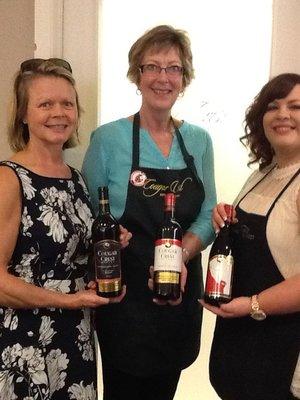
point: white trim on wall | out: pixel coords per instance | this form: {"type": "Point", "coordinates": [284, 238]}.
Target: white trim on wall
{"type": "Point", "coordinates": [49, 24]}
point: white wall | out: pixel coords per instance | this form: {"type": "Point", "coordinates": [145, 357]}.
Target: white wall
{"type": "Point", "coordinates": [286, 35]}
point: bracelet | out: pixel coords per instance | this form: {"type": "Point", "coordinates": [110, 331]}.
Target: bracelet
{"type": "Point", "coordinates": [185, 251]}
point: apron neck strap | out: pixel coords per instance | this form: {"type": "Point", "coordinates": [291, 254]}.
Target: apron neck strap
{"type": "Point", "coordinates": [188, 159]}
{"type": "Point", "coordinates": [136, 141]}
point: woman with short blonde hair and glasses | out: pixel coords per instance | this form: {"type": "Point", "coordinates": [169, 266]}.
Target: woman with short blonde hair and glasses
{"type": "Point", "coordinates": [145, 345]}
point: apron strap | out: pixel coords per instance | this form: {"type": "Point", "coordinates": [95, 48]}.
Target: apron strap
{"type": "Point", "coordinates": [188, 158]}
{"type": "Point", "coordinates": [257, 183]}
{"type": "Point", "coordinates": [282, 191]}
{"type": "Point", "coordinates": [136, 141]}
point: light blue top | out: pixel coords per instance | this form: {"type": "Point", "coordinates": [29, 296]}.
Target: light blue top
{"type": "Point", "coordinates": [108, 162]}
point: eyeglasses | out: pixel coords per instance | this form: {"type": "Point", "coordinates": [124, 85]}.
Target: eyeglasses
{"type": "Point", "coordinates": [34, 63]}
{"type": "Point", "coordinates": [153, 69]}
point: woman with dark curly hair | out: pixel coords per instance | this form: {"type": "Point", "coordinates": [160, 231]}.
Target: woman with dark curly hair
{"type": "Point", "coordinates": [255, 351]}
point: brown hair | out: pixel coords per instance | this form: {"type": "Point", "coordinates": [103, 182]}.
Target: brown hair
{"type": "Point", "coordinates": [157, 38]}
{"type": "Point", "coordinates": [18, 134]}
{"type": "Point", "coordinates": [254, 138]}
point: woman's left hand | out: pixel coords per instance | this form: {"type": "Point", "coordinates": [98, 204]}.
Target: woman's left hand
{"type": "Point", "coordinates": [125, 236]}
{"type": "Point", "coordinates": [183, 278]}
{"type": "Point", "coordinates": [238, 307]}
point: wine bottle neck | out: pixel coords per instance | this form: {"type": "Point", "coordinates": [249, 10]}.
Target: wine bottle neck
{"type": "Point", "coordinates": [169, 213]}
{"type": "Point", "coordinates": [104, 207]}
{"type": "Point", "coordinates": [225, 229]}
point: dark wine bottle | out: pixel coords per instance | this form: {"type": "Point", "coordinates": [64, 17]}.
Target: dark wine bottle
{"type": "Point", "coordinates": [220, 266]}
{"type": "Point", "coordinates": [168, 254]}
{"type": "Point", "coordinates": [106, 249]}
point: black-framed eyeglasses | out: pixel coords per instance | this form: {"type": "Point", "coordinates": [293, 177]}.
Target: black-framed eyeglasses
{"type": "Point", "coordinates": [34, 63]}
{"type": "Point", "coordinates": [153, 69]}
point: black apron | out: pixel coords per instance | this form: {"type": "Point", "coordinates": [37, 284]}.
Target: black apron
{"type": "Point", "coordinates": [136, 335]}
{"type": "Point", "coordinates": [254, 360]}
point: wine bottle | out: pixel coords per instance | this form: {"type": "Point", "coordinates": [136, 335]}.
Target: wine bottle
{"type": "Point", "coordinates": [220, 266]}
{"type": "Point", "coordinates": [168, 254]}
{"type": "Point", "coordinates": [106, 249]}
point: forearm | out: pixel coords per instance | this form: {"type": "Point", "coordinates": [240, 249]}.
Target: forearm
{"type": "Point", "coordinates": [16, 293]}
{"type": "Point", "coordinates": [282, 298]}
{"type": "Point", "coordinates": [192, 246]}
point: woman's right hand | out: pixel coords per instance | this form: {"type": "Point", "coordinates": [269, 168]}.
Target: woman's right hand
{"type": "Point", "coordinates": [219, 216]}
{"type": "Point", "coordinates": [89, 298]}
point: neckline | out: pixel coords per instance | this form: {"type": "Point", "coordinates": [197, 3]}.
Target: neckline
{"type": "Point", "coordinates": [43, 176]}
{"type": "Point", "coordinates": [284, 172]}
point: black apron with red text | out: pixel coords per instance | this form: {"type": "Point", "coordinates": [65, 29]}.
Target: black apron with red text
{"type": "Point", "coordinates": [254, 360]}
{"type": "Point", "coordinates": [136, 335]}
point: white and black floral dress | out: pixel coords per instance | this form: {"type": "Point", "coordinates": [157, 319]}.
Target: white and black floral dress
{"type": "Point", "coordinates": [48, 353]}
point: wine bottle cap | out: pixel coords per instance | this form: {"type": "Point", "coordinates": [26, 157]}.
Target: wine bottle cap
{"type": "Point", "coordinates": [170, 200]}
{"type": "Point", "coordinates": [229, 212]}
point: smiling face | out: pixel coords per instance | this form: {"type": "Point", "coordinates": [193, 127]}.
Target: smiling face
{"type": "Point", "coordinates": [160, 90]}
{"type": "Point", "coordinates": [282, 125]}
{"type": "Point", "coordinates": [52, 114]}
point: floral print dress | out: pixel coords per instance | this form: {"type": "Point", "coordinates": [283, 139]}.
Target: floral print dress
{"type": "Point", "coordinates": [48, 353]}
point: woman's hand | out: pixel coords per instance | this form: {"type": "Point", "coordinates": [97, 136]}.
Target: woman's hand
{"type": "Point", "coordinates": [238, 307]}
{"type": "Point", "coordinates": [89, 298]}
{"type": "Point", "coordinates": [219, 216]}
{"type": "Point", "coordinates": [125, 236]}
{"type": "Point", "coordinates": [183, 278]}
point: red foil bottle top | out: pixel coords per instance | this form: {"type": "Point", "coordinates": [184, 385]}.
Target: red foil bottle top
{"type": "Point", "coordinates": [229, 211]}
{"type": "Point", "coordinates": [170, 200]}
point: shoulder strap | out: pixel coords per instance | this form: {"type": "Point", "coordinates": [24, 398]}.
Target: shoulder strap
{"type": "Point", "coordinates": [283, 190]}
{"type": "Point", "coordinates": [188, 158]}
{"type": "Point", "coordinates": [254, 186]}
{"type": "Point", "coordinates": [136, 141]}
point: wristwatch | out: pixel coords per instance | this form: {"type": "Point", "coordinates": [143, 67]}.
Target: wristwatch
{"type": "Point", "coordinates": [256, 312]}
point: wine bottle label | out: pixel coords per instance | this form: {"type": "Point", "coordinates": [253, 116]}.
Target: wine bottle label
{"type": "Point", "coordinates": [219, 274]}
{"type": "Point", "coordinates": [168, 255]}
{"type": "Point", "coordinates": [107, 256]}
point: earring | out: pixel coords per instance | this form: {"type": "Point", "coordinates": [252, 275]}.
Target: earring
{"type": "Point", "coordinates": [181, 94]}
{"type": "Point", "coordinates": [138, 92]}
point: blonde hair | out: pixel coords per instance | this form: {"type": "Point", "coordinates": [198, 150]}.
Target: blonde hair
{"type": "Point", "coordinates": [18, 133]}
{"type": "Point", "coordinates": [157, 38]}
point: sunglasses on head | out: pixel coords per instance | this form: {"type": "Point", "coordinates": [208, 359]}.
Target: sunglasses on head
{"type": "Point", "coordinates": [34, 63]}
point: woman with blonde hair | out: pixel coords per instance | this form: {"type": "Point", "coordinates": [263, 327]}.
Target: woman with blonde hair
{"type": "Point", "coordinates": [46, 346]}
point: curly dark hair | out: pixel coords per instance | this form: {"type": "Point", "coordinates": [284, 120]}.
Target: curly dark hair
{"type": "Point", "coordinates": [277, 88]}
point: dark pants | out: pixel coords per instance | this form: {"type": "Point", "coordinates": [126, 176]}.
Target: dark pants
{"type": "Point", "coordinates": [119, 385]}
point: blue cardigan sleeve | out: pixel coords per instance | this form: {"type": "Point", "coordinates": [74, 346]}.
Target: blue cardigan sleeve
{"type": "Point", "coordinates": [202, 226]}
{"type": "Point", "coordinates": [95, 166]}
